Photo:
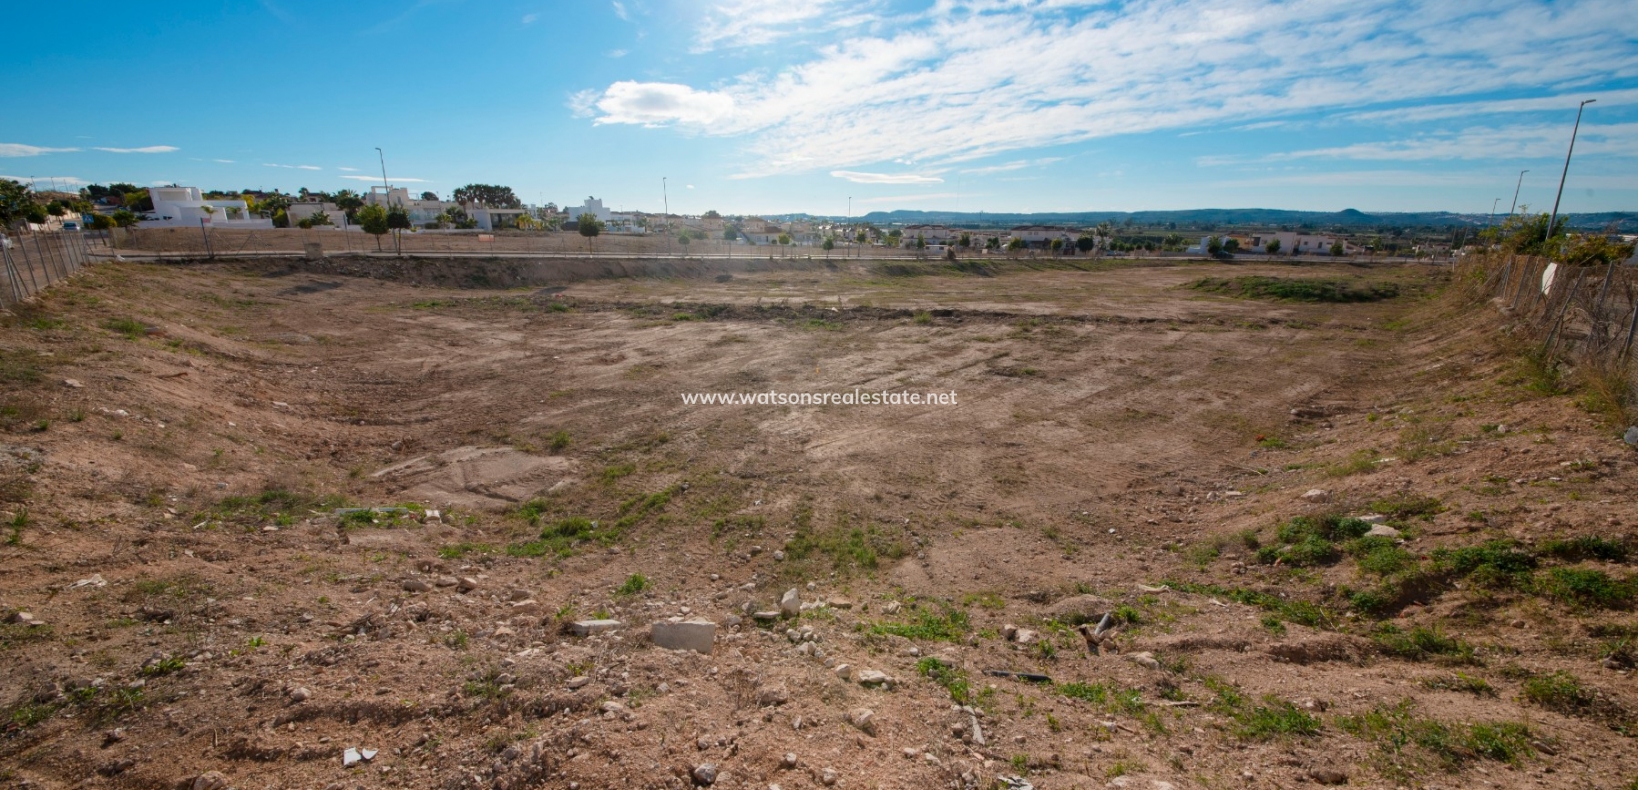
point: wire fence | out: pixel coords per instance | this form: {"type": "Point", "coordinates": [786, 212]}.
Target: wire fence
{"type": "Point", "coordinates": [1587, 315]}
{"type": "Point", "coordinates": [36, 261]}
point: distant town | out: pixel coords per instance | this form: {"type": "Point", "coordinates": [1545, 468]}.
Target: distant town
{"type": "Point", "coordinates": [490, 209]}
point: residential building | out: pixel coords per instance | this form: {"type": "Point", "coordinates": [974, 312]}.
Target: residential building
{"type": "Point", "coordinates": [185, 207]}
{"type": "Point", "coordinates": [1042, 235]}
{"type": "Point", "coordinates": [934, 234]}
{"type": "Point", "coordinates": [420, 211]}
{"type": "Point", "coordinates": [592, 206]}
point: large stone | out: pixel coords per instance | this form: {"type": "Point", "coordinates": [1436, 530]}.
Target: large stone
{"type": "Point", "coordinates": [1382, 531]}
{"type": "Point", "coordinates": [416, 585]}
{"type": "Point", "coordinates": [592, 627]}
{"type": "Point", "coordinates": [872, 677]}
{"type": "Point", "coordinates": [695, 635]}
{"type": "Point", "coordinates": [705, 775]}
{"type": "Point", "coordinates": [790, 604]}
{"type": "Point", "coordinates": [1316, 495]}
{"type": "Point", "coordinates": [210, 780]}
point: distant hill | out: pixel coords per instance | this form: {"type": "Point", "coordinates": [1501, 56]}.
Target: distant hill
{"type": "Point", "coordinates": [1624, 221]}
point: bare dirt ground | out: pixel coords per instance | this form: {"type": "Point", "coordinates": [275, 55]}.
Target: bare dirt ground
{"type": "Point", "coordinates": [191, 604]}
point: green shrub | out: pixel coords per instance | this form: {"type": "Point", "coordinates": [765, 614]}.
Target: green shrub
{"type": "Point", "coordinates": [1406, 506]}
{"type": "Point", "coordinates": [1311, 540]}
{"type": "Point", "coordinates": [1494, 563]}
{"type": "Point", "coordinates": [1303, 290]}
{"type": "Point", "coordinates": [1380, 555]}
{"type": "Point", "coordinates": [1585, 547]}
{"type": "Point", "coordinates": [1421, 643]}
{"type": "Point", "coordinates": [1275, 718]}
{"type": "Point", "coordinates": [951, 678]}
{"type": "Point", "coordinates": [1294, 611]}
{"type": "Point", "coordinates": [1560, 691]}
{"type": "Point", "coordinates": [949, 625]}
{"type": "Point", "coordinates": [634, 584]}
{"type": "Point", "coordinates": [1409, 743]}
{"type": "Point", "coordinates": [1590, 588]}
{"type": "Point", "coordinates": [129, 327]}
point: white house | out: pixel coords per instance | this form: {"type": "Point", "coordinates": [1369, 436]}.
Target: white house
{"type": "Point", "coordinates": [593, 206]}
{"type": "Point", "coordinates": [1304, 244]}
{"type": "Point", "coordinates": [420, 212]}
{"type": "Point", "coordinates": [185, 207]}
{"type": "Point", "coordinates": [306, 209]}
{"type": "Point", "coordinates": [934, 234]}
{"type": "Point", "coordinates": [1042, 234]}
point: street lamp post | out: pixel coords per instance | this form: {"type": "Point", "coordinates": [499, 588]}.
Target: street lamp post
{"type": "Point", "coordinates": [848, 221]}
{"type": "Point", "coordinates": [1516, 193]}
{"type": "Point", "coordinates": [1553, 218]}
{"type": "Point", "coordinates": [1492, 221]}
{"type": "Point", "coordinates": [666, 196]}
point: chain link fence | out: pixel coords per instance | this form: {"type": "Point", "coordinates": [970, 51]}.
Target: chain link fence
{"type": "Point", "coordinates": [36, 261]}
{"type": "Point", "coordinates": [1587, 315]}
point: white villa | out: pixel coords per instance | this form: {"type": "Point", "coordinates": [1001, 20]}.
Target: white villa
{"type": "Point", "coordinates": [1042, 234]}
{"type": "Point", "coordinates": [593, 206]}
{"type": "Point", "coordinates": [185, 207]}
{"type": "Point", "coordinates": [934, 234]}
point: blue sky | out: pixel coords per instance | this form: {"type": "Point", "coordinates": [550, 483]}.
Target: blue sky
{"type": "Point", "coordinates": [776, 106]}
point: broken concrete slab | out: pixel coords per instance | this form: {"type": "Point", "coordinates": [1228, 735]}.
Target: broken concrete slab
{"type": "Point", "coordinates": [695, 635]}
{"type": "Point", "coordinates": [593, 627]}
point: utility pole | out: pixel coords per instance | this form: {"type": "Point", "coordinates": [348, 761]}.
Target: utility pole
{"type": "Point", "coordinates": [1492, 221]}
{"type": "Point", "coordinates": [1516, 192]}
{"type": "Point", "coordinates": [1553, 218]}
{"type": "Point", "coordinates": [666, 196]}
{"type": "Point", "coordinates": [848, 222]}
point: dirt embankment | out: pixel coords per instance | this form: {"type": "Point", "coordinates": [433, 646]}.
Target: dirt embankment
{"type": "Point", "coordinates": [501, 273]}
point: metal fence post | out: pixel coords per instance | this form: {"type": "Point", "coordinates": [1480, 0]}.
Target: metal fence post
{"type": "Point", "coordinates": [1569, 299]}
{"type": "Point", "coordinates": [17, 288]}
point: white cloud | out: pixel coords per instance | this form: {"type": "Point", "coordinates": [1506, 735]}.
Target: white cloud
{"type": "Point", "coordinates": [885, 178]}
{"type": "Point", "coordinates": [1561, 104]}
{"type": "Point", "coordinates": [1538, 141]}
{"type": "Point", "coordinates": [394, 178]}
{"type": "Point", "coordinates": [1015, 165]}
{"type": "Point", "coordinates": [529, 19]}
{"type": "Point", "coordinates": [618, 53]}
{"type": "Point", "coordinates": [223, 161]}
{"type": "Point", "coordinates": [964, 81]}
{"type": "Point", "coordinates": [44, 182]}
{"type": "Point", "coordinates": [752, 23]}
{"type": "Point", "coordinates": [620, 10]}
{"type": "Point", "coordinates": [308, 167]}
{"type": "Point", "coordinates": [348, 169]}
{"type": "Point", "coordinates": [1401, 179]}
{"type": "Point", "coordinates": [19, 149]}
{"type": "Point", "coordinates": [658, 103]}
{"type": "Point", "coordinates": [292, 167]}
{"type": "Point", "coordinates": [150, 149]}
{"type": "Point", "coordinates": [690, 186]}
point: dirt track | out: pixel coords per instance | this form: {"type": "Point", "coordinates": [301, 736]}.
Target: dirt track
{"type": "Point", "coordinates": [1115, 431]}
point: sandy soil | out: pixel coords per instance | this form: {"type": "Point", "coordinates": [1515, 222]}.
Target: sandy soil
{"type": "Point", "coordinates": [1116, 438]}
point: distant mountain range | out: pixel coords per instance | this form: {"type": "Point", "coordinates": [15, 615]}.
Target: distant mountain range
{"type": "Point", "coordinates": [1624, 221]}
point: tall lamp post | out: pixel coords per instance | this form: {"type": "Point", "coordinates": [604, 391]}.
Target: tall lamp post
{"type": "Point", "coordinates": [1516, 193]}
{"type": "Point", "coordinates": [1553, 218]}
{"type": "Point", "coordinates": [666, 196]}
{"type": "Point", "coordinates": [849, 223]}
{"type": "Point", "coordinates": [1493, 204]}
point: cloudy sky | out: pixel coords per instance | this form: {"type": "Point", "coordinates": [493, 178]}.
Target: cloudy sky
{"type": "Point", "coordinates": [779, 106]}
